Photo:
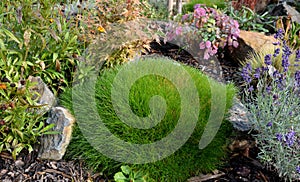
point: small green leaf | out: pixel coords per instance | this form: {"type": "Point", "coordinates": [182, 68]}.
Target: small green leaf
{"type": "Point", "coordinates": [40, 126]}
{"type": "Point", "coordinates": [9, 138]}
{"type": "Point", "coordinates": [67, 36]}
{"type": "Point", "coordinates": [7, 146]}
{"type": "Point", "coordinates": [20, 134]}
{"type": "Point", "coordinates": [19, 148]}
{"type": "Point", "coordinates": [14, 154]}
{"type": "Point", "coordinates": [126, 169]}
{"type": "Point", "coordinates": [119, 177]}
{"type": "Point", "coordinates": [4, 95]}
{"type": "Point", "coordinates": [55, 56]}
{"type": "Point", "coordinates": [47, 128]}
{"type": "Point", "coordinates": [30, 149]}
{"type": "Point", "coordinates": [44, 56]}
{"type": "Point", "coordinates": [74, 39]}
{"type": "Point", "coordinates": [16, 151]}
{"type": "Point", "coordinates": [8, 33]}
{"type": "Point", "coordinates": [51, 133]}
{"type": "Point", "coordinates": [2, 45]}
{"type": "Point", "coordinates": [14, 143]}
{"type": "Point", "coordinates": [29, 63]}
{"type": "Point", "coordinates": [138, 175]}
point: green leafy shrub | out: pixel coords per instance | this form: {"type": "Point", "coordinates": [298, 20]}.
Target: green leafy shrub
{"type": "Point", "coordinates": [250, 20]}
{"type": "Point", "coordinates": [273, 104]}
{"type": "Point", "coordinates": [189, 7]}
{"type": "Point", "coordinates": [188, 160]}
{"type": "Point", "coordinates": [34, 41]}
{"type": "Point", "coordinates": [128, 175]}
{"type": "Point", "coordinates": [42, 40]}
{"type": "Point", "coordinates": [157, 10]}
{"type": "Point", "coordinates": [19, 129]}
{"type": "Point", "coordinates": [20, 124]}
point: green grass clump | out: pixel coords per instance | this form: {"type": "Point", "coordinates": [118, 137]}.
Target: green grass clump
{"type": "Point", "coordinates": [257, 60]}
{"type": "Point", "coordinates": [189, 7]}
{"type": "Point", "coordinates": [189, 160]}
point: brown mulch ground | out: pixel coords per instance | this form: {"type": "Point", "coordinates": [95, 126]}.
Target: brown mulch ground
{"type": "Point", "coordinates": [242, 165]}
{"type": "Point", "coordinates": [28, 168]}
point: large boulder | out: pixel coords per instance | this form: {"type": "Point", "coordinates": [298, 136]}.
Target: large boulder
{"type": "Point", "coordinates": [54, 146]}
{"type": "Point", "coordinates": [256, 40]}
{"type": "Point", "coordinates": [249, 41]}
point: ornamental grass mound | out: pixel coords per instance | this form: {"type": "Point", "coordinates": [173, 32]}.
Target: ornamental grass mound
{"type": "Point", "coordinates": [188, 160]}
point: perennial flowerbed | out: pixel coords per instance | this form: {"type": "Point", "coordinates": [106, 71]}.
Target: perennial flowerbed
{"type": "Point", "coordinates": [53, 40]}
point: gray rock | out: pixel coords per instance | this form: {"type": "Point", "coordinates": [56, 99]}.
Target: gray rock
{"type": "Point", "coordinates": [239, 116]}
{"type": "Point", "coordinates": [46, 97]}
{"type": "Point", "coordinates": [54, 146]}
{"type": "Point", "coordinates": [295, 15]}
{"type": "Point", "coordinates": [285, 8]}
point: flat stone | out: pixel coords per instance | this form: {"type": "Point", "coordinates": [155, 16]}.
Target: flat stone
{"type": "Point", "coordinates": [54, 146]}
{"type": "Point", "coordinates": [239, 116]}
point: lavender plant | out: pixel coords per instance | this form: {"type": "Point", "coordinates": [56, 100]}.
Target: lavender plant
{"type": "Point", "coordinates": [273, 99]}
{"type": "Point", "coordinates": [214, 28]}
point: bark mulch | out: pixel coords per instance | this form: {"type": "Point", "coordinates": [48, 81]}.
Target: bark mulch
{"type": "Point", "coordinates": [28, 168]}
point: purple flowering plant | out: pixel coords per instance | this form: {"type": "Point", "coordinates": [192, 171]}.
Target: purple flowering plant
{"type": "Point", "coordinates": [272, 97]}
{"type": "Point", "coordinates": [279, 57]}
{"type": "Point", "coordinates": [214, 28]}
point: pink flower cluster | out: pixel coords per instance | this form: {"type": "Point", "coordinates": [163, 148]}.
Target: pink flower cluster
{"type": "Point", "coordinates": [210, 49]}
{"type": "Point", "coordinates": [199, 13]}
{"type": "Point", "coordinates": [230, 28]}
{"type": "Point", "coordinates": [215, 28]}
{"type": "Point", "coordinates": [224, 28]}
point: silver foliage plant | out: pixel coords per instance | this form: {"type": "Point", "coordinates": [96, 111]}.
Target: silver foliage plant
{"type": "Point", "coordinates": [273, 100]}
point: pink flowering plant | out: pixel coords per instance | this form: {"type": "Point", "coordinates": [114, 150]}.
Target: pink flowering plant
{"type": "Point", "coordinates": [214, 29]}
{"type": "Point", "coordinates": [273, 103]}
